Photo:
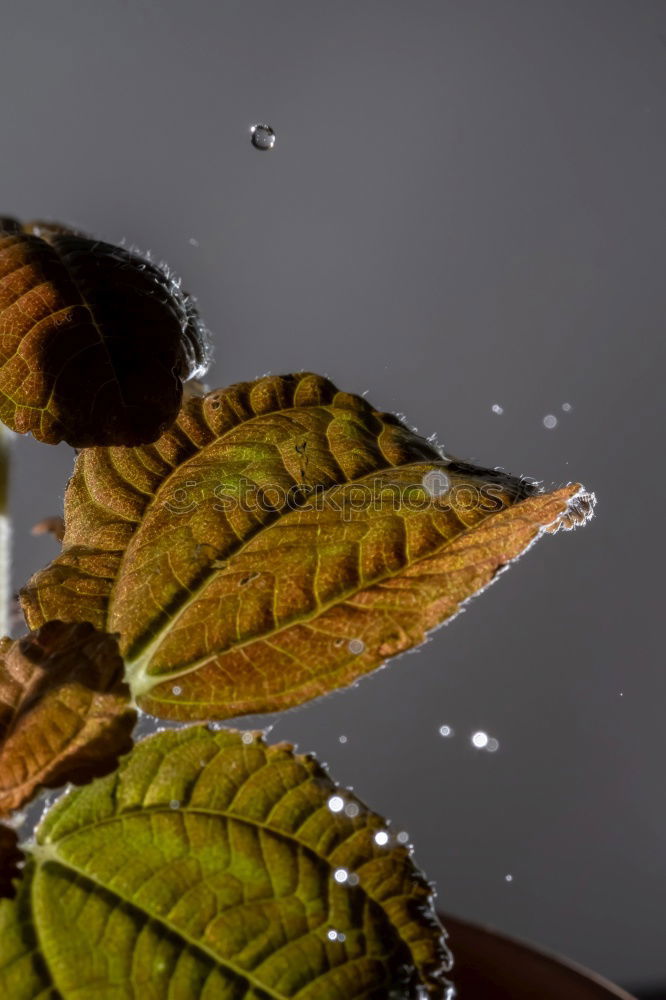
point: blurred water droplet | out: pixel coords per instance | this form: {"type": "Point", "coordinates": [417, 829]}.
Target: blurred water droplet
{"type": "Point", "coordinates": [480, 740]}
{"type": "Point", "coordinates": [356, 646]}
{"type": "Point", "coordinates": [508, 878]}
{"type": "Point", "coordinates": [550, 421]}
{"type": "Point", "coordinates": [176, 690]}
{"type": "Point", "coordinates": [352, 879]}
{"type": "Point", "coordinates": [566, 407]}
{"type": "Point", "coordinates": [402, 837]}
{"type": "Point", "coordinates": [247, 738]}
{"type": "Point", "coordinates": [493, 745]}
{"type": "Point", "coordinates": [445, 731]}
{"type": "Point", "coordinates": [336, 803]}
{"type": "Point", "coordinates": [332, 935]}
{"type": "Point", "coordinates": [341, 875]}
{"type": "Point", "coordinates": [381, 838]}
{"type": "Point", "coordinates": [262, 137]}
{"type": "Point", "coordinates": [496, 408]}
{"type": "Point", "coordinates": [174, 804]}
{"type": "Point", "coordinates": [342, 739]}
{"type": "Point", "coordinates": [193, 242]}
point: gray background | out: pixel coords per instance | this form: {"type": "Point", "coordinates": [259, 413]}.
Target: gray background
{"type": "Point", "coordinates": [465, 206]}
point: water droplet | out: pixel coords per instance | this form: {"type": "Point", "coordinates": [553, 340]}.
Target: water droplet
{"type": "Point", "coordinates": [262, 137]}
{"type": "Point", "coordinates": [341, 936]}
{"type": "Point", "coordinates": [381, 838]}
{"type": "Point", "coordinates": [193, 242]}
{"type": "Point", "coordinates": [550, 421]}
{"type": "Point", "coordinates": [403, 837]}
{"type": "Point", "coordinates": [176, 690]}
{"type": "Point", "coordinates": [341, 875]}
{"type": "Point", "coordinates": [336, 803]}
{"type": "Point", "coordinates": [356, 646]}
{"type": "Point", "coordinates": [174, 804]}
{"type": "Point", "coordinates": [445, 731]}
{"type": "Point", "coordinates": [493, 745]}
{"type": "Point", "coordinates": [332, 935]}
{"type": "Point", "coordinates": [508, 878]}
{"type": "Point", "coordinates": [480, 740]}
{"type": "Point", "coordinates": [353, 879]}
{"type": "Point", "coordinates": [567, 407]}
{"type": "Point", "coordinates": [342, 739]}
{"type": "Point", "coordinates": [352, 810]}
{"type": "Point", "coordinates": [436, 483]}
{"type": "Point", "coordinates": [247, 738]}
{"type": "Point", "coordinates": [496, 408]}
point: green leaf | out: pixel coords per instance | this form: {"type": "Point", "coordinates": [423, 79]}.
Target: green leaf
{"type": "Point", "coordinates": [95, 340]}
{"type": "Point", "coordinates": [281, 541]}
{"type": "Point", "coordinates": [209, 866]}
{"type": "Point", "coordinates": [64, 709]}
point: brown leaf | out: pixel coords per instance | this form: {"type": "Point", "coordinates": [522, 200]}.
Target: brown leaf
{"type": "Point", "coordinates": [95, 340]}
{"type": "Point", "coordinates": [64, 709]}
{"type": "Point", "coordinates": [282, 540]}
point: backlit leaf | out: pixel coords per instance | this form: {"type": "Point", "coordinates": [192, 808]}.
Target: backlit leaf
{"type": "Point", "coordinates": [282, 540]}
{"type": "Point", "coordinates": [213, 866]}
{"type": "Point", "coordinates": [95, 340]}
{"type": "Point", "coordinates": [64, 709]}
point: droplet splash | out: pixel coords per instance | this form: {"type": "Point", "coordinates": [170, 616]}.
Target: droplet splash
{"type": "Point", "coordinates": [549, 421]}
{"type": "Point", "coordinates": [262, 137]}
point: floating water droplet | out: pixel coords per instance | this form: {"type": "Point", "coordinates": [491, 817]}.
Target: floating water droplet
{"type": "Point", "coordinates": [403, 837]}
{"type": "Point", "coordinates": [567, 407]}
{"type": "Point", "coordinates": [352, 879]}
{"type": "Point", "coordinates": [436, 483]}
{"type": "Point", "coordinates": [342, 739]}
{"type": "Point", "coordinates": [336, 803]}
{"type": "Point", "coordinates": [508, 878]}
{"type": "Point", "coordinates": [550, 421]}
{"type": "Point", "coordinates": [193, 242]}
{"type": "Point", "coordinates": [332, 935]}
{"type": "Point", "coordinates": [341, 937]}
{"type": "Point", "coordinates": [176, 690]}
{"type": "Point", "coordinates": [341, 875]}
{"type": "Point", "coordinates": [496, 408]}
{"type": "Point", "coordinates": [247, 738]}
{"type": "Point", "coordinates": [445, 731]}
{"type": "Point", "coordinates": [174, 804]}
{"type": "Point", "coordinates": [262, 137]}
{"type": "Point", "coordinates": [493, 745]}
{"type": "Point", "coordinates": [480, 740]}
{"type": "Point", "coordinates": [381, 838]}
{"type": "Point", "coordinates": [356, 646]}
{"type": "Point", "coordinates": [352, 810]}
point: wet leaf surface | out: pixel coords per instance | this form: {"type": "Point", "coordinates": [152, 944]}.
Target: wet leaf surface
{"type": "Point", "coordinates": [64, 710]}
{"type": "Point", "coordinates": [281, 541]}
{"type": "Point", "coordinates": [211, 866]}
{"type": "Point", "coordinates": [95, 340]}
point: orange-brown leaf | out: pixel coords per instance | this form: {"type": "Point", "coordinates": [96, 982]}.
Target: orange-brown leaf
{"type": "Point", "coordinates": [95, 340]}
{"type": "Point", "coordinates": [282, 540]}
{"type": "Point", "coordinates": [64, 709]}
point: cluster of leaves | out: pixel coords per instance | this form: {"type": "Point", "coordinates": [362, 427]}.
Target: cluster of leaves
{"type": "Point", "coordinates": [278, 539]}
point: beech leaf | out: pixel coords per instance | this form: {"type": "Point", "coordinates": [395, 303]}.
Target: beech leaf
{"type": "Point", "coordinates": [95, 340]}
{"type": "Point", "coordinates": [213, 866]}
{"type": "Point", "coordinates": [64, 709]}
{"type": "Point", "coordinates": [280, 541]}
